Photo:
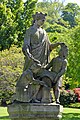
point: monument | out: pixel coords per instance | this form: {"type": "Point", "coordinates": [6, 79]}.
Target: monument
{"type": "Point", "coordinates": [33, 99]}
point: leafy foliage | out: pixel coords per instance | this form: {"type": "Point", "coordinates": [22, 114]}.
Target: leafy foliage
{"type": "Point", "coordinates": [67, 97]}
{"type": "Point", "coordinates": [52, 9]}
{"type": "Point", "coordinates": [56, 28]}
{"type": "Point", "coordinates": [70, 13]}
{"type": "Point", "coordinates": [74, 58]}
{"type": "Point", "coordinates": [74, 105]}
{"type": "Point", "coordinates": [59, 29]}
{"type": "Point", "coordinates": [11, 66]}
{"type": "Point", "coordinates": [15, 18]}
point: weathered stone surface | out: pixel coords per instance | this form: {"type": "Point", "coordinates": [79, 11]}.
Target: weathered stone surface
{"type": "Point", "coordinates": [39, 76]}
{"type": "Point", "coordinates": [35, 111]}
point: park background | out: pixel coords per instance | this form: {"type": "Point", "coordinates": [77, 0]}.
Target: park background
{"type": "Point", "coordinates": [62, 25]}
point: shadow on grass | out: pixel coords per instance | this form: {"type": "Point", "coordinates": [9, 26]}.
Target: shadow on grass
{"type": "Point", "coordinates": [4, 118]}
{"type": "Point", "coordinates": [71, 116]}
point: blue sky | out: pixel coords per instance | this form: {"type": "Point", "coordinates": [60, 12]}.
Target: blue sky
{"type": "Point", "coordinates": [67, 1]}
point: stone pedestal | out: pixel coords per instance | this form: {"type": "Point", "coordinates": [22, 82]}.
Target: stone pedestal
{"type": "Point", "coordinates": [35, 111]}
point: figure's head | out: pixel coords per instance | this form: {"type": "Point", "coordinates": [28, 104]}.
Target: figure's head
{"type": "Point", "coordinates": [39, 17]}
{"type": "Point", "coordinates": [63, 51]}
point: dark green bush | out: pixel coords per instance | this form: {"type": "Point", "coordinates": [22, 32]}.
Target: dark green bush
{"type": "Point", "coordinates": [67, 97]}
{"type": "Point", "coordinates": [56, 28]}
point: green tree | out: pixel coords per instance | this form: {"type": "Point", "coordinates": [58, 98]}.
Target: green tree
{"type": "Point", "coordinates": [53, 10]}
{"type": "Point", "coordinates": [74, 58]}
{"type": "Point", "coordinates": [70, 12]}
{"type": "Point", "coordinates": [15, 17]}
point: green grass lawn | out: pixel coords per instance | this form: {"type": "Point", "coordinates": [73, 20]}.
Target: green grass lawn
{"type": "Point", "coordinates": [3, 113]}
{"type": "Point", "coordinates": [68, 114]}
{"type": "Point", "coordinates": [71, 114]}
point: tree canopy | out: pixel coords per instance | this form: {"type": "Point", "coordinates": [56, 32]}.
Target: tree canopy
{"type": "Point", "coordinates": [15, 17]}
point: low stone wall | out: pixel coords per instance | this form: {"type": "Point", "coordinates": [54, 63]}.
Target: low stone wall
{"type": "Point", "coordinates": [35, 111]}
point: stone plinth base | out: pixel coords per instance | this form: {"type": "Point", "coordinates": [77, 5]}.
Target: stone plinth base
{"type": "Point", "coordinates": [35, 111]}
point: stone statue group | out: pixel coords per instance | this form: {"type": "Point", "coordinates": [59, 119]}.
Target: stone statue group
{"type": "Point", "coordinates": [40, 75]}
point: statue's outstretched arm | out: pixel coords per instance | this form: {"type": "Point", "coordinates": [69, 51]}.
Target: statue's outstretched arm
{"type": "Point", "coordinates": [53, 46]}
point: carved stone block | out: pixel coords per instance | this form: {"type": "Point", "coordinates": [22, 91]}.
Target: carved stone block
{"type": "Point", "coordinates": [35, 111]}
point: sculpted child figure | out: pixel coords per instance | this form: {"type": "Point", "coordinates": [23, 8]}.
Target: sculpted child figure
{"type": "Point", "coordinates": [58, 66]}
{"type": "Point", "coordinates": [52, 76]}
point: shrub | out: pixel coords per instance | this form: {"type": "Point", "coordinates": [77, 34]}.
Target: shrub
{"type": "Point", "coordinates": [67, 97]}
{"type": "Point", "coordinates": [56, 28]}
{"type": "Point", "coordinates": [11, 64]}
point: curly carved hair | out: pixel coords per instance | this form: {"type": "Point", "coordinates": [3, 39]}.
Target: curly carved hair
{"type": "Point", "coordinates": [38, 16]}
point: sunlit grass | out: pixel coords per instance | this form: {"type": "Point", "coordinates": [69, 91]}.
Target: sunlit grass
{"type": "Point", "coordinates": [71, 114]}
{"type": "Point", "coordinates": [4, 114]}
{"type": "Point", "coordinates": [3, 111]}
{"type": "Point", "coordinates": [71, 110]}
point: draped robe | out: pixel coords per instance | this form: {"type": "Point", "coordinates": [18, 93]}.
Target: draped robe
{"type": "Point", "coordinates": [36, 40]}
